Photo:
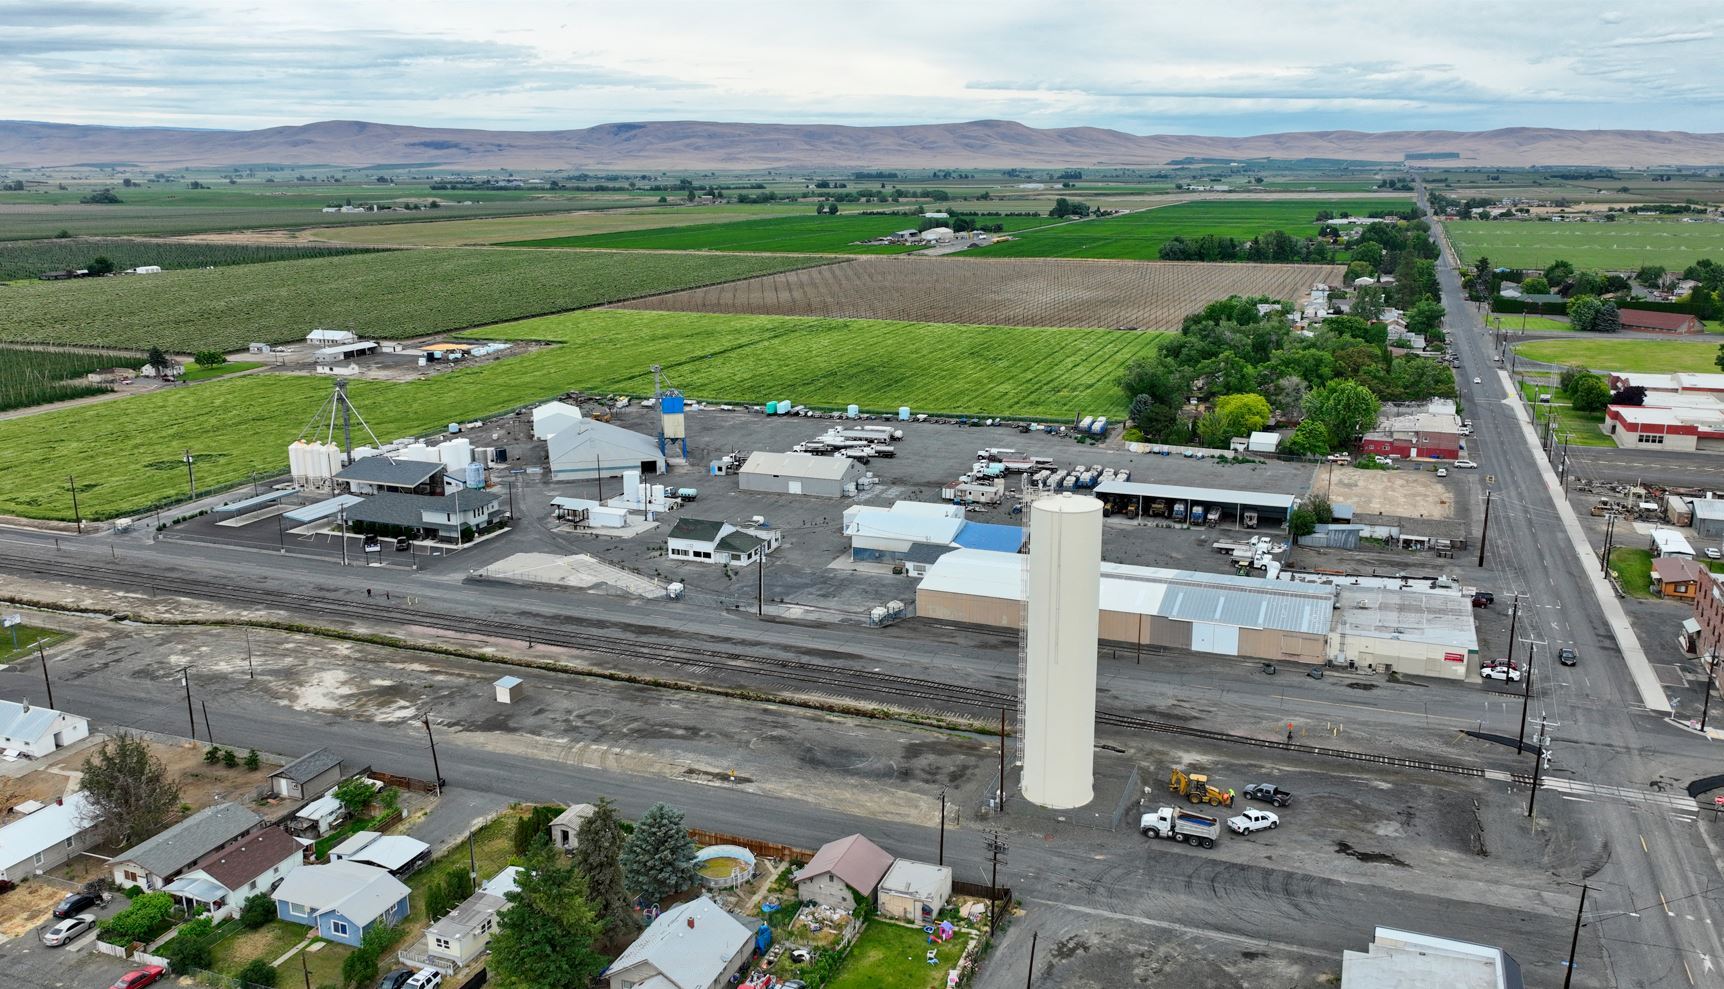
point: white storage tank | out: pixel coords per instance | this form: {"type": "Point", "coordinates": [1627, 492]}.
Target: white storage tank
{"type": "Point", "coordinates": [784, 406]}
{"type": "Point", "coordinates": [456, 454]}
{"type": "Point", "coordinates": [853, 411]}
{"type": "Point", "coordinates": [332, 460]}
{"type": "Point", "coordinates": [903, 413]}
{"type": "Point", "coordinates": [1062, 624]}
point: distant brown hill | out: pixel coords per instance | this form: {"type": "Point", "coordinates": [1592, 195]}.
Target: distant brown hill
{"type": "Point", "coordinates": [678, 144]}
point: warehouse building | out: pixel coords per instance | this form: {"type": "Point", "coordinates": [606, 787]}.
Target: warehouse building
{"type": "Point", "coordinates": [1708, 517]}
{"type": "Point", "coordinates": [582, 449]}
{"type": "Point", "coordinates": [920, 532]}
{"type": "Point", "coordinates": [800, 474]}
{"type": "Point", "coordinates": [438, 516]}
{"type": "Point", "coordinates": [1139, 499]}
{"type": "Point", "coordinates": [719, 542]}
{"type": "Point", "coordinates": [1170, 609]}
{"type": "Point", "coordinates": [1409, 631]}
{"type": "Point", "coordinates": [553, 416]}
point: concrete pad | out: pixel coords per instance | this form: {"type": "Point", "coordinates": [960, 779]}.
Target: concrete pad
{"type": "Point", "coordinates": [577, 571]}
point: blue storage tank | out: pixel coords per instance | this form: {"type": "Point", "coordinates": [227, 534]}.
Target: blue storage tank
{"type": "Point", "coordinates": [903, 413]}
{"type": "Point", "coordinates": [771, 408]}
{"type": "Point", "coordinates": [670, 404]}
{"type": "Point", "coordinates": [475, 478]}
{"type": "Point", "coordinates": [784, 406]}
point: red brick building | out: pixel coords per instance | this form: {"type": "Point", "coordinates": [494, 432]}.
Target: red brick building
{"type": "Point", "coordinates": [1646, 321]}
{"type": "Point", "coordinates": [1709, 611]}
{"type": "Point", "coordinates": [1428, 435]}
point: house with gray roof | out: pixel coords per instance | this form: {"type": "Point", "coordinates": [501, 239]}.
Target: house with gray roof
{"type": "Point", "coordinates": [154, 863]}
{"type": "Point", "coordinates": [374, 475]}
{"type": "Point", "coordinates": [313, 772]}
{"type": "Point", "coordinates": [342, 899]}
{"type": "Point", "coordinates": [37, 731]}
{"type": "Point", "coordinates": [718, 542]}
{"type": "Point", "coordinates": [47, 837]}
{"type": "Point", "coordinates": [437, 516]}
{"type": "Point", "coordinates": [915, 892]}
{"type": "Point", "coordinates": [693, 945]}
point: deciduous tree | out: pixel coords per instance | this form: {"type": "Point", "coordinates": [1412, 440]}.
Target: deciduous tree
{"type": "Point", "coordinates": [1346, 409]}
{"type": "Point", "coordinates": [129, 789]}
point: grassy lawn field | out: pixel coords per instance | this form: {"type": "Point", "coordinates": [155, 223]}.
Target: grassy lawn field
{"type": "Point", "coordinates": [803, 233]}
{"type": "Point", "coordinates": [887, 956]}
{"type": "Point", "coordinates": [267, 942]}
{"type": "Point", "coordinates": [19, 641]}
{"type": "Point", "coordinates": [196, 373]}
{"type": "Point", "coordinates": [1583, 427]}
{"type": "Point", "coordinates": [1633, 569]}
{"type": "Point", "coordinates": [497, 230]}
{"type": "Point", "coordinates": [387, 294]}
{"type": "Point", "coordinates": [1621, 246]}
{"type": "Point", "coordinates": [1531, 324]}
{"type": "Point", "coordinates": [1642, 356]}
{"type": "Point", "coordinates": [128, 450]}
{"type": "Point", "coordinates": [1139, 236]}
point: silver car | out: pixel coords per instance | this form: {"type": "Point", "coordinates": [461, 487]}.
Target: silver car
{"type": "Point", "coordinates": [68, 930]}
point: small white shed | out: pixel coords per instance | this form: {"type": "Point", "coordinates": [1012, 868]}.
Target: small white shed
{"type": "Point", "coordinates": [509, 689]}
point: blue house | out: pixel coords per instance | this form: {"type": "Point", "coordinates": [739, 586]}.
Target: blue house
{"type": "Point", "coordinates": [342, 899]}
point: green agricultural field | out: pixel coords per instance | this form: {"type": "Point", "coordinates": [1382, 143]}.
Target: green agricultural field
{"type": "Point", "coordinates": [30, 258]}
{"type": "Point", "coordinates": [1139, 236]}
{"type": "Point", "coordinates": [38, 377]}
{"type": "Point", "coordinates": [808, 233]}
{"type": "Point", "coordinates": [1637, 356]}
{"type": "Point", "coordinates": [35, 222]}
{"type": "Point", "coordinates": [389, 295]}
{"type": "Point", "coordinates": [498, 230]}
{"type": "Point", "coordinates": [1621, 246]}
{"type": "Point", "coordinates": [128, 450]}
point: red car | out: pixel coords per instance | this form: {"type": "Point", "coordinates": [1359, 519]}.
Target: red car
{"type": "Point", "coordinates": [148, 975]}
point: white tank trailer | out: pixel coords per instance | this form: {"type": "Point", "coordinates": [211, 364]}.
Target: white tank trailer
{"type": "Point", "coordinates": [1062, 624]}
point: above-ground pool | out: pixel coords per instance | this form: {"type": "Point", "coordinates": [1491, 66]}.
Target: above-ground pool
{"type": "Point", "coordinates": [724, 866]}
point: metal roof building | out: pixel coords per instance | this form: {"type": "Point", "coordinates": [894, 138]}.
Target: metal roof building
{"type": "Point", "coordinates": [1409, 960]}
{"type": "Point", "coordinates": [1409, 631]}
{"type": "Point", "coordinates": [1268, 506]}
{"type": "Point", "coordinates": [372, 474]}
{"type": "Point", "coordinates": [582, 449]}
{"type": "Point", "coordinates": [1708, 517]}
{"type": "Point", "coordinates": [797, 473]}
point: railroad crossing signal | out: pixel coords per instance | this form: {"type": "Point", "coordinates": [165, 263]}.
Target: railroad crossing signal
{"type": "Point", "coordinates": [1490, 479]}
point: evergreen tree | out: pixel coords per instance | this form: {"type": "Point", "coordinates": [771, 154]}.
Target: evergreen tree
{"type": "Point", "coordinates": [545, 937]}
{"type": "Point", "coordinates": [658, 858]}
{"type": "Point", "coordinates": [598, 858]}
{"type": "Point", "coordinates": [1608, 320]}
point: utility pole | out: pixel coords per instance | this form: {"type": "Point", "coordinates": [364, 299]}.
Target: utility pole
{"type": "Point", "coordinates": [1002, 803]}
{"type": "Point", "coordinates": [472, 862]}
{"type": "Point", "coordinates": [1525, 696]}
{"type": "Point", "coordinates": [1705, 708]}
{"type": "Point", "coordinates": [1609, 531]}
{"type": "Point", "coordinates": [186, 678]}
{"type": "Point", "coordinates": [436, 770]}
{"type": "Point", "coordinates": [760, 600]}
{"type": "Point", "coordinates": [280, 531]}
{"type": "Point", "coordinates": [1537, 774]}
{"type": "Point", "coordinates": [209, 732]}
{"type": "Point", "coordinates": [1485, 529]}
{"type": "Point", "coordinates": [250, 669]}
{"type": "Point", "coordinates": [191, 475]}
{"type": "Point", "coordinates": [47, 682]}
{"type": "Point", "coordinates": [1030, 973]}
{"type": "Point", "coordinates": [304, 970]}
{"type": "Point", "coordinates": [1574, 942]}
{"type": "Point", "coordinates": [344, 537]}
{"type": "Point", "coordinates": [942, 859]}
{"type": "Point", "coordinates": [996, 848]}
{"type": "Point", "coordinates": [72, 483]}
{"type": "Point", "coordinates": [1514, 619]}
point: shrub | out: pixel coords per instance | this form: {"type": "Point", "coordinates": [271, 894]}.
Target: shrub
{"type": "Point", "coordinates": [252, 761]}
{"type": "Point", "coordinates": [144, 920]}
{"type": "Point", "coordinates": [228, 759]}
{"type": "Point", "coordinates": [190, 948]}
{"type": "Point", "coordinates": [212, 755]}
{"type": "Point", "coordinates": [258, 972]}
{"type": "Point", "coordinates": [258, 910]}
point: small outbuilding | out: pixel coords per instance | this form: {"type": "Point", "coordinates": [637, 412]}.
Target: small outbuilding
{"type": "Point", "coordinates": [310, 773]}
{"type": "Point", "coordinates": [510, 689]}
{"type": "Point", "coordinates": [798, 474]}
{"type": "Point", "coordinates": [566, 827]}
{"type": "Point", "coordinates": [915, 892]}
{"type": "Point", "coordinates": [37, 731]}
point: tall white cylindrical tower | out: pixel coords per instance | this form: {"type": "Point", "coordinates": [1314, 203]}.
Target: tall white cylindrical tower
{"type": "Point", "coordinates": [1061, 625]}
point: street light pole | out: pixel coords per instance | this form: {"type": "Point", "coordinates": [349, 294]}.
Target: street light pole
{"type": "Point", "coordinates": [186, 678]}
{"type": "Point", "coordinates": [436, 770]}
{"type": "Point", "coordinates": [47, 682]}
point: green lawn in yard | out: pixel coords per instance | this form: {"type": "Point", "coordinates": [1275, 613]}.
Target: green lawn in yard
{"type": "Point", "coordinates": [804, 234]}
{"type": "Point", "coordinates": [493, 847]}
{"type": "Point", "coordinates": [1624, 245]}
{"type": "Point", "coordinates": [1640, 356]}
{"type": "Point", "coordinates": [1139, 235]}
{"type": "Point", "coordinates": [196, 373]}
{"type": "Point", "coordinates": [268, 942]}
{"type": "Point", "coordinates": [1633, 569]}
{"type": "Point", "coordinates": [1530, 324]}
{"type": "Point", "coordinates": [888, 956]}
{"type": "Point", "coordinates": [19, 641]}
{"type": "Point", "coordinates": [1584, 428]}
{"type": "Point", "coordinates": [324, 965]}
{"type": "Point", "coordinates": [128, 451]}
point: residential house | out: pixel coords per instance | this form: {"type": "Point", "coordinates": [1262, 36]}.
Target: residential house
{"type": "Point", "coordinates": [461, 936]}
{"type": "Point", "coordinates": [840, 867]}
{"type": "Point", "coordinates": [398, 475]}
{"type": "Point", "coordinates": [172, 370]}
{"type": "Point", "coordinates": [313, 772]}
{"type": "Point", "coordinates": [154, 863]}
{"type": "Point", "coordinates": [397, 853]}
{"type": "Point", "coordinates": [1646, 321]}
{"type": "Point", "coordinates": [442, 517]}
{"type": "Point", "coordinates": [693, 945]}
{"type": "Point", "coordinates": [221, 881]}
{"type": "Point", "coordinates": [915, 892]}
{"type": "Point", "coordinates": [718, 542]}
{"type": "Point", "coordinates": [46, 837]}
{"type": "Point", "coordinates": [1676, 578]}
{"type": "Point", "coordinates": [341, 900]}
{"type": "Point", "coordinates": [567, 825]}
{"type": "Point", "coordinates": [37, 731]}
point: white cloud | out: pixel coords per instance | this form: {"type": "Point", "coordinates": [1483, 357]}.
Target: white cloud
{"type": "Point", "coordinates": [1264, 66]}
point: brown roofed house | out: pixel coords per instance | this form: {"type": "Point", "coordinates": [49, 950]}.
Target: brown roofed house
{"type": "Point", "coordinates": [1647, 321]}
{"type": "Point", "coordinates": [1676, 578]}
{"type": "Point", "coordinates": [852, 863]}
{"type": "Point", "coordinates": [221, 881]}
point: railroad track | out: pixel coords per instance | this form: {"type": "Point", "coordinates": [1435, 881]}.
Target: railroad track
{"type": "Point", "coordinates": [936, 696]}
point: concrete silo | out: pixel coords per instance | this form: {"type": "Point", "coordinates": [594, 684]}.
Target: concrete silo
{"type": "Point", "coordinates": [1060, 629]}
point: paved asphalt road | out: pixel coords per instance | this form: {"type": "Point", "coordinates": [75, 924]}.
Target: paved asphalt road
{"type": "Point", "coordinates": [1655, 894]}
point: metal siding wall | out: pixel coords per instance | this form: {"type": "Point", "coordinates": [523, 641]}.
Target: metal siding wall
{"type": "Point", "coordinates": [1171, 633]}
{"type": "Point", "coordinates": [968, 608]}
{"type": "Point", "coordinates": [1211, 637]}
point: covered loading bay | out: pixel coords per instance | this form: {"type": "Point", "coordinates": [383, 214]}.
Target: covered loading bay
{"type": "Point", "coordinates": [1138, 499]}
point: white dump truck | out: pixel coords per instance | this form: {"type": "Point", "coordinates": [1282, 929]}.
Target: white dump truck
{"type": "Point", "coordinates": [1181, 825]}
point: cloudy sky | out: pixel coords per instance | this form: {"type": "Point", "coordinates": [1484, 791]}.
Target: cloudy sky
{"type": "Point", "coordinates": [1145, 67]}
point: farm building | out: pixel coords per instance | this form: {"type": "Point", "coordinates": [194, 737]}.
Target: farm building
{"type": "Point", "coordinates": [799, 473]}
{"type": "Point", "coordinates": [552, 416]}
{"type": "Point", "coordinates": [328, 338]}
{"type": "Point", "coordinates": [583, 449]}
{"type": "Point", "coordinates": [719, 542]}
{"type": "Point", "coordinates": [1271, 509]}
{"type": "Point", "coordinates": [379, 475]}
{"type": "Point", "coordinates": [437, 516]}
{"type": "Point", "coordinates": [1646, 321]}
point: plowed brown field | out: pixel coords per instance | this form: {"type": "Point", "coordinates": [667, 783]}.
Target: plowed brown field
{"type": "Point", "coordinates": [1145, 294]}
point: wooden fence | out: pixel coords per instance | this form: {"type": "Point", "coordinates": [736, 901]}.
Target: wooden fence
{"type": "Point", "coordinates": [767, 848]}
{"type": "Point", "coordinates": [403, 782]}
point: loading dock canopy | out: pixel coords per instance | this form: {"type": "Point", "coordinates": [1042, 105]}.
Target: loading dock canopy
{"type": "Point", "coordinates": [256, 502]}
{"type": "Point", "coordinates": [1280, 504]}
{"type": "Point", "coordinates": [323, 509]}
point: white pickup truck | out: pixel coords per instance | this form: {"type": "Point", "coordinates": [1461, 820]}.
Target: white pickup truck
{"type": "Point", "coordinates": [1253, 820]}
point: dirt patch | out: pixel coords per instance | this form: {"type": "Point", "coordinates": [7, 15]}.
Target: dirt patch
{"type": "Point", "coordinates": [1369, 858]}
{"type": "Point", "coordinates": [39, 785]}
{"type": "Point", "coordinates": [1409, 493]}
{"type": "Point", "coordinates": [23, 909]}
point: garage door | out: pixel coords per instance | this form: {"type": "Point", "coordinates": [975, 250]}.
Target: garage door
{"type": "Point", "coordinates": [1206, 637]}
{"type": "Point", "coordinates": [795, 487]}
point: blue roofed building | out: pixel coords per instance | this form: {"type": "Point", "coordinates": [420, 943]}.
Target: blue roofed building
{"type": "Point", "coordinates": [917, 533]}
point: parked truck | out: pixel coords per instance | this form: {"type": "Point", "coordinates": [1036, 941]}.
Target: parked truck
{"type": "Point", "coordinates": [1181, 825]}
